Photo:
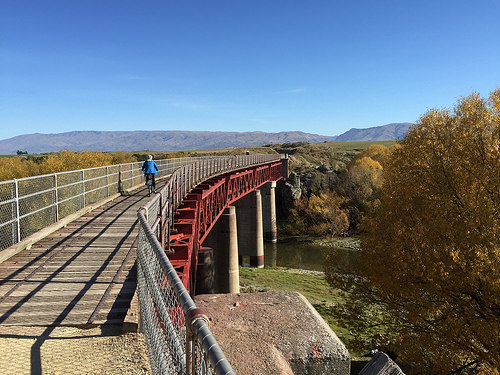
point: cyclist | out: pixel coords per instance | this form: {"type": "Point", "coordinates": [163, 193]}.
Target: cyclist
{"type": "Point", "coordinates": [150, 169]}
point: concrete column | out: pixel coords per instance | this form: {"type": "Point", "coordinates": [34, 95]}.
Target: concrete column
{"type": "Point", "coordinates": [269, 212]}
{"type": "Point", "coordinates": [229, 276]}
{"type": "Point", "coordinates": [224, 240]}
{"type": "Point", "coordinates": [205, 271]}
{"type": "Point", "coordinates": [271, 250]}
{"type": "Point", "coordinates": [250, 230]}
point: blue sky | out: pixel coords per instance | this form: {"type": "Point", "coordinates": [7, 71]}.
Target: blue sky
{"type": "Point", "coordinates": [239, 65]}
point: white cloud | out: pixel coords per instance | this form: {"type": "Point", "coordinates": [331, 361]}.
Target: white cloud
{"type": "Point", "coordinates": [132, 77]}
{"type": "Point", "coordinates": [294, 91]}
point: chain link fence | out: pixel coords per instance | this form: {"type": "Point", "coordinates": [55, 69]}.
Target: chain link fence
{"type": "Point", "coordinates": [177, 333]}
{"type": "Point", "coordinates": [30, 204]}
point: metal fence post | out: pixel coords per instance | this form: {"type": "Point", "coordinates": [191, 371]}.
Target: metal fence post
{"type": "Point", "coordinates": [56, 198]}
{"type": "Point", "coordinates": [18, 222]}
{"type": "Point", "coordinates": [82, 192]}
{"type": "Point", "coordinates": [120, 183]}
{"type": "Point", "coordinates": [107, 183]}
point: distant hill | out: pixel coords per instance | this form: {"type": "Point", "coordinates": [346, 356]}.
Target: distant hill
{"type": "Point", "coordinates": [149, 140]}
{"type": "Point", "coordinates": [378, 133]}
{"type": "Point", "coordinates": [175, 140]}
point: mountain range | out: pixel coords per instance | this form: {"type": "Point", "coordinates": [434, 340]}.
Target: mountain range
{"type": "Point", "coordinates": [175, 140]}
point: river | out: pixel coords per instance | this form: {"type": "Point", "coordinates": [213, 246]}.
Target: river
{"type": "Point", "coordinates": [294, 253]}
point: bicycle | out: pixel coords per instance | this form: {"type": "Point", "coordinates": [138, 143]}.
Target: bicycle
{"type": "Point", "coordinates": [150, 183]}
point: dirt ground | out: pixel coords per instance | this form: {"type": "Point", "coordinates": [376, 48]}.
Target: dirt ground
{"type": "Point", "coordinates": [273, 333]}
{"type": "Point", "coordinates": [68, 350]}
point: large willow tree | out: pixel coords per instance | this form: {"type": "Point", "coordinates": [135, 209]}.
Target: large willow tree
{"type": "Point", "coordinates": [430, 258]}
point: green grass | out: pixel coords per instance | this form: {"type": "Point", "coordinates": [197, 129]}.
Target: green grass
{"type": "Point", "coordinates": [312, 286]}
{"type": "Point", "coordinates": [357, 146]}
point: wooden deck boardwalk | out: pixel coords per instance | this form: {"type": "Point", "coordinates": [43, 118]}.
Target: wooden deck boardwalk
{"type": "Point", "coordinates": [81, 275]}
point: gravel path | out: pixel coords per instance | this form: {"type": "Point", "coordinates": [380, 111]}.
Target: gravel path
{"type": "Point", "coordinates": [68, 350]}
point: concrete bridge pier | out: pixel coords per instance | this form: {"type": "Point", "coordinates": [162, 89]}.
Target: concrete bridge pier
{"type": "Point", "coordinates": [269, 212]}
{"type": "Point", "coordinates": [205, 271]}
{"type": "Point", "coordinates": [223, 238]}
{"type": "Point", "coordinates": [250, 229]}
{"type": "Point", "coordinates": [272, 254]}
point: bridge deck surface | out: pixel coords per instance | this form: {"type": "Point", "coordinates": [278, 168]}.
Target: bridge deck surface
{"type": "Point", "coordinates": [81, 276]}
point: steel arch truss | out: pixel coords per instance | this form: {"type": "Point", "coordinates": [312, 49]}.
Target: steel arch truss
{"type": "Point", "coordinates": [201, 208]}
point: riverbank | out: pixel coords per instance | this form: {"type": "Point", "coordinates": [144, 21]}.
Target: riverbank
{"type": "Point", "coordinates": [351, 243]}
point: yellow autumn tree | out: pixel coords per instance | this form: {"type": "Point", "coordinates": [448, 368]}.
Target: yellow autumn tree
{"type": "Point", "coordinates": [379, 153]}
{"type": "Point", "coordinates": [122, 157]}
{"type": "Point", "coordinates": [430, 258]}
{"type": "Point", "coordinates": [69, 160]}
{"type": "Point", "coordinates": [18, 167]}
{"type": "Point", "coordinates": [361, 182]}
{"type": "Point", "coordinates": [320, 215]}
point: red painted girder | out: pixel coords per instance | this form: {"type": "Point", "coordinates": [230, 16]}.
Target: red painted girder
{"type": "Point", "coordinates": [204, 205]}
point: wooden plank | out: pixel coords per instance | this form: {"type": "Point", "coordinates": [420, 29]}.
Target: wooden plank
{"type": "Point", "coordinates": [63, 277]}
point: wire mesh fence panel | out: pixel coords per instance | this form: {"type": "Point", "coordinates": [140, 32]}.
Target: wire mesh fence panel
{"type": "Point", "coordinates": [137, 174]}
{"type": "Point", "coordinates": [200, 361]}
{"type": "Point", "coordinates": [8, 235]}
{"type": "Point", "coordinates": [162, 317]}
{"type": "Point", "coordinates": [31, 185]}
{"type": "Point", "coordinates": [113, 179]}
{"type": "Point", "coordinates": [7, 202]}
{"type": "Point", "coordinates": [8, 215]}
{"type": "Point", "coordinates": [94, 179]}
{"type": "Point", "coordinates": [162, 168]}
{"type": "Point", "coordinates": [36, 201]}
{"type": "Point", "coordinates": [95, 185]}
{"type": "Point", "coordinates": [125, 177]}
{"type": "Point", "coordinates": [6, 191]}
{"type": "Point", "coordinates": [153, 212]}
{"type": "Point", "coordinates": [95, 195]}
{"type": "Point", "coordinates": [36, 221]}
{"type": "Point", "coordinates": [68, 178]}
{"type": "Point", "coordinates": [68, 207]}
{"type": "Point", "coordinates": [36, 211]}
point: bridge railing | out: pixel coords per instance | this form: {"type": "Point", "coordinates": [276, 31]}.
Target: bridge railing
{"type": "Point", "coordinates": [30, 204]}
{"type": "Point", "coordinates": [179, 340]}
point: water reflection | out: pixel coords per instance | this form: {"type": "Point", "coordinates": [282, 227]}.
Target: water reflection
{"type": "Point", "coordinates": [303, 255]}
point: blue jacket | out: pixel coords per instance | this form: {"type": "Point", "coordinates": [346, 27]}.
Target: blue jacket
{"type": "Point", "coordinates": [149, 166]}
